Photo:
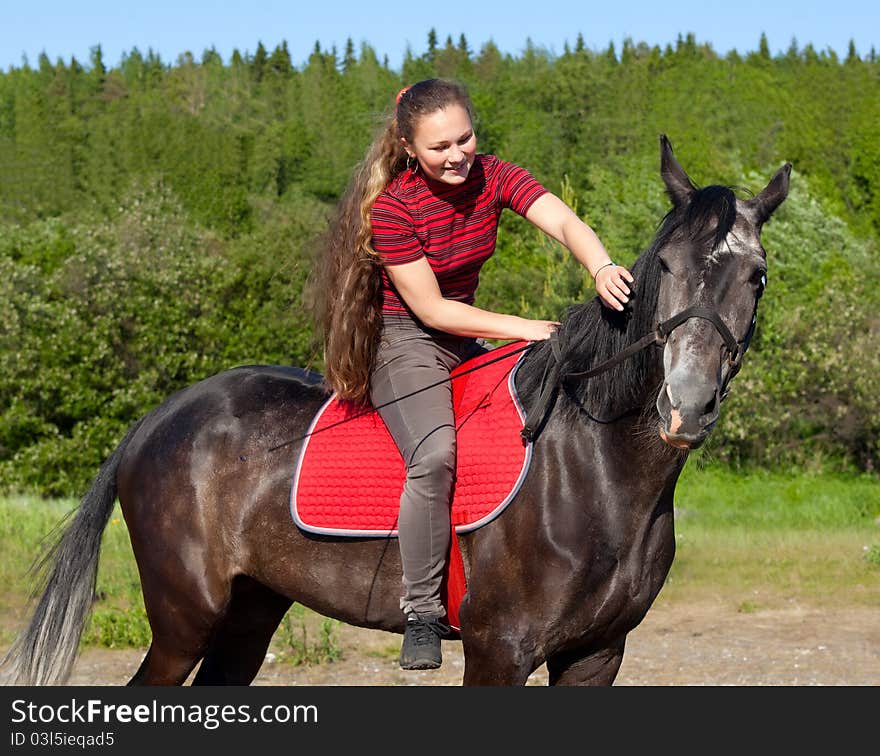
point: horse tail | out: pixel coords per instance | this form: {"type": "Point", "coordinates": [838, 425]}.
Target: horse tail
{"type": "Point", "coordinates": [44, 653]}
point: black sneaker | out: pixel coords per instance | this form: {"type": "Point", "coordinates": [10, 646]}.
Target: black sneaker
{"type": "Point", "coordinates": [421, 642]}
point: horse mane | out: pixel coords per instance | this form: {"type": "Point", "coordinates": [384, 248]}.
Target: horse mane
{"type": "Point", "coordinates": [592, 333]}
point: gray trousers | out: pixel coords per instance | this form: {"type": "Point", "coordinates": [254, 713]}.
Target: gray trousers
{"type": "Point", "coordinates": [411, 357]}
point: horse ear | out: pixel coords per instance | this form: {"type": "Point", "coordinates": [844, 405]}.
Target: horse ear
{"type": "Point", "coordinates": [772, 195]}
{"type": "Point", "coordinates": [678, 185]}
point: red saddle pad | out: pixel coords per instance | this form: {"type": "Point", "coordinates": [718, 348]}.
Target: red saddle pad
{"type": "Point", "coordinates": [350, 474]}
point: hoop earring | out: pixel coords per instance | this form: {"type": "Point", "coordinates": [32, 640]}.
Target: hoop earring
{"type": "Point", "coordinates": [412, 164]}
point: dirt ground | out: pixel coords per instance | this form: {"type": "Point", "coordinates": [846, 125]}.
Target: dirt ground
{"type": "Point", "coordinates": [680, 645]}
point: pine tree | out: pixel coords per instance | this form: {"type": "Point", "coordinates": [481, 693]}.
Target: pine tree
{"type": "Point", "coordinates": [279, 63]}
{"type": "Point", "coordinates": [98, 70]}
{"type": "Point", "coordinates": [259, 63]}
{"type": "Point", "coordinates": [210, 57]}
{"type": "Point", "coordinates": [349, 60]}
{"type": "Point", "coordinates": [611, 54]}
{"type": "Point", "coordinates": [432, 45]}
{"type": "Point", "coordinates": [852, 55]}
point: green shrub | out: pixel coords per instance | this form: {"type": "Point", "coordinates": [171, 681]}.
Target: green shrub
{"type": "Point", "coordinates": [807, 394]}
{"type": "Point", "coordinates": [141, 305]}
{"type": "Point", "coordinates": [297, 648]}
{"type": "Point", "coordinates": [110, 627]}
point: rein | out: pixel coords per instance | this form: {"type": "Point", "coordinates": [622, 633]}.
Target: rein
{"type": "Point", "coordinates": [371, 408]}
{"type": "Point", "coordinates": [553, 376]}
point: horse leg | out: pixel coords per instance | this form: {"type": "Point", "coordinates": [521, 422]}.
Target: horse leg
{"type": "Point", "coordinates": [161, 668]}
{"type": "Point", "coordinates": [238, 648]}
{"type": "Point", "coordinates": [495, 660]}
{"type": "Point", "coordinates": [501, 666]}
{"type": "Point", "coordinates": [185, 607]}
{"type": "Point", "coordinates": [578, 667]}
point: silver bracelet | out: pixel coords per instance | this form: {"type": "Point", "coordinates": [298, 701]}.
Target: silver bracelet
{"type": "Point", "coordinates": [610, 262]}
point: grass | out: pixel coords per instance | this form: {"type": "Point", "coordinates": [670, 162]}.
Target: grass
{"type": "Point", "coordinates": [294, 645]}
{"type": "Point", "coordinates": [754, 542]}
{"type": "Point", "coordinates": [767, 540]}
{"type": "Point", "coordinates": [118, 619]}
{"type": "Point", "coordinates": [763, 500]}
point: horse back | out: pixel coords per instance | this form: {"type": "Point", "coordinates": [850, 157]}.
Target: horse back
{"type": "Point", "coordinates": [217, 440]}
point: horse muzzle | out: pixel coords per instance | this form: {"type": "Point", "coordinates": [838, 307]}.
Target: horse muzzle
{"type": "Point", "coordinates": [688, 417]}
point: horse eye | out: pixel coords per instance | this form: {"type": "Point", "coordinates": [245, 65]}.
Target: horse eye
{"type": "Point", "coordinates": [759, 279]}
{"type": "Point", "coordinates": [663, 266]}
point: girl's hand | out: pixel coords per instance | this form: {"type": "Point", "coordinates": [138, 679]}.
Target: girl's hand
{"type": "Point", "coordinates": [538, 330]}
{"type": "Point", "coordinates": [611, 286]}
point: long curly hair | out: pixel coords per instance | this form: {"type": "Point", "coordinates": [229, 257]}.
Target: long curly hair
{"type": "Point", "coordinates": [346, 287]}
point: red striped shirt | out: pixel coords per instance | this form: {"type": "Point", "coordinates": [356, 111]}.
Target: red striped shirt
{"type": "Point", "coordinates": [453, 226]}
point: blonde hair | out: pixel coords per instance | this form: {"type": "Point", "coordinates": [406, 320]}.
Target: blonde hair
{"type": "Point", "coordinates": [347, 283]}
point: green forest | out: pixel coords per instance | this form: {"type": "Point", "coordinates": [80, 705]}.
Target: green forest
{"type": "Point", "coordinates": [158, 221]}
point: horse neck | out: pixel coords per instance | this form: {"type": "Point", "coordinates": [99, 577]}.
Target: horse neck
{"type": "Point", "coordinates": [592, 334]}
{"type": "Point", "coordinates": [628, 387]}
{"type": "Point", "coordinates": [617, 419]}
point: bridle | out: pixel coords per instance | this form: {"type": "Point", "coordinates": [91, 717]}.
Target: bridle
{"type": "Point", "coordinates": [553, 376]}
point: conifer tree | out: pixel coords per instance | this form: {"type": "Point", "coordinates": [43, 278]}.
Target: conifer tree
{"type": "Point", "coordinates": [349, 60]}
{"type": "Point", "coordinates": [279, 62]}
{"type": "Point", "coordinates": [259, 63]}
{"type": "Point", "coordinates": [432, 45]}
{"type": "Point", "coordinates": [852, 56]}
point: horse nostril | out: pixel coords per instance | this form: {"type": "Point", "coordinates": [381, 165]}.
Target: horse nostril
{"type": "Point", "coordinates": [711, 405]}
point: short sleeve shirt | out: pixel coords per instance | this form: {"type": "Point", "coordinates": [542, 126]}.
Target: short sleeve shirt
{"type": "Point", "coordinates": [453, 226]}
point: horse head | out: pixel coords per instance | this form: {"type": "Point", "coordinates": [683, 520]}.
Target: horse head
{"type": "Point", "coordinates": [713, 269]}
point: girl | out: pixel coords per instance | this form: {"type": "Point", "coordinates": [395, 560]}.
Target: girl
{"type": "Point", "coordinates": [400, 269]}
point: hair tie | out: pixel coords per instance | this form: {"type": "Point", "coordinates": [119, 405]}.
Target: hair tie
{"type": "Point", "coordinates": [400, 94]}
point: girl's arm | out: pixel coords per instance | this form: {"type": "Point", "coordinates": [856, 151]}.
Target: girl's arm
{"type": "Point", "coordinates": [418, 287]}
{"type": "Point", "coordinates": [556, 219]}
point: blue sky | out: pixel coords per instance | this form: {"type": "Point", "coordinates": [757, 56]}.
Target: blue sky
{"type": "Point", "coordinates": [72, 28]}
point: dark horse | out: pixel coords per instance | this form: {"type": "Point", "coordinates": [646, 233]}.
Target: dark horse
{"type": "Point", "coordinates": [561, 576]}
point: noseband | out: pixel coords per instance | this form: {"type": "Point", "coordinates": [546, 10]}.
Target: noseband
{"type": "Point", "coordinates": [554, 377]}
